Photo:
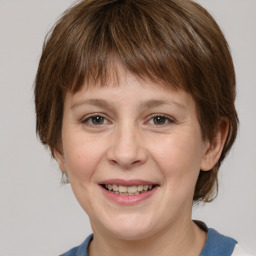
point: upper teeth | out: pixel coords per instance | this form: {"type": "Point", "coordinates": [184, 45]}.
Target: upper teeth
{"type": "Point", "coordinates": [128, 189]}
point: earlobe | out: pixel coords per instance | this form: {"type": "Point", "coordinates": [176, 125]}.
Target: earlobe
{"type": "Point", "coordinates": [215, 146]}
{"type": "Point", "coordinates": [59, 157]}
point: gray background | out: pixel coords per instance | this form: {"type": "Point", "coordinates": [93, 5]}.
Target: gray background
{"type": "Point", "coordinates": [39, 216]}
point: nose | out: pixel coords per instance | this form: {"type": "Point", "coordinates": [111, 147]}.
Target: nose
{"type": "Point", "coordinates": [126, 147]}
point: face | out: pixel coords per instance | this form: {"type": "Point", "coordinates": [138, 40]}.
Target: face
{"type": "Point", "coordinates": [133, 153]}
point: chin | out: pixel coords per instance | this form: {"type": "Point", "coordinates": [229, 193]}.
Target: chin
{"type": "Point", "coordinates": [131, 234]}
{"type": "Point", "coordinates": [130, 227]}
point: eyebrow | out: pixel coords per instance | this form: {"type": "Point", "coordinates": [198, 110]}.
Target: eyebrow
{"type": "Point", "coordinates": [94, 102]}
{"type": "Point", "coordinates": [156, 103]}
{"type": "Point", "coordinates": [143, 104]}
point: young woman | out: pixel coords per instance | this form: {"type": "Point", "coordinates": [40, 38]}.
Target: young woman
{"type": "Point", "coordinates": [135, 99]}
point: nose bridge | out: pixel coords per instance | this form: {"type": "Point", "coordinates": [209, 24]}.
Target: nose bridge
{"type": "Point", "coordinates": [126, 146]}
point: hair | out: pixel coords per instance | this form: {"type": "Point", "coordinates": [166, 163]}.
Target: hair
{"type": "Point", "coordinates": [175, 43]}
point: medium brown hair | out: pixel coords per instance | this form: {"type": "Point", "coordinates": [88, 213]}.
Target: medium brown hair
{"type": "Point", "coordinates": [175, 43]}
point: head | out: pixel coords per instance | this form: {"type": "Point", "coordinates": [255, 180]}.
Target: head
{"type": "Point", "coordinates": [173, 43]}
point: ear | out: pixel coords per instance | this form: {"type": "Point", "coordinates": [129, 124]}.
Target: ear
{"type": "Point", "coordinates": [215, 146]}
{"type": "Point", "coordinates": [59, 157]}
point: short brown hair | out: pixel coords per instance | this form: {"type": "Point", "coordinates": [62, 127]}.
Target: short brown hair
{"type": "Point", "coordinates": [173, 42]}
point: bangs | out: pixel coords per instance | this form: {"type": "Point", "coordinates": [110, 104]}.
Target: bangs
{"type": "Point", "coordinates": [126, 33]}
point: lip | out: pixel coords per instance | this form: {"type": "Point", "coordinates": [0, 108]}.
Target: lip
{"type": "Point", "coordinates": [126, 182]}
{"type": "Point", "coordinates": [126, 199]}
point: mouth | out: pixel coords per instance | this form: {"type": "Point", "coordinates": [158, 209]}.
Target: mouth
{"type": "Point", "coordinates": [128, 192]}
{"type": "Point", "coordinates": [133, 190]}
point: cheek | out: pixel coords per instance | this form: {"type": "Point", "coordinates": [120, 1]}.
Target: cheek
{"type": "Point", "coordinates": [179, 160]}
{"type": "Point", "coordinates": [82, 157]}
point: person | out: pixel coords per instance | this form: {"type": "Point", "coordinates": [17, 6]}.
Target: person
{"type": "Point", "coordinates": [135, 99]}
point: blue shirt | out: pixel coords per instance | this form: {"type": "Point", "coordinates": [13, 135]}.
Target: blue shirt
{"type": "Point", "coordinates": [216, 245]}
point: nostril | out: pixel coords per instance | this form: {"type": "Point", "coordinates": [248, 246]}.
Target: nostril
{"type": "Point", "coordinates": [125, 164]}
{"type": "Point", "coordinates": [113, 162]}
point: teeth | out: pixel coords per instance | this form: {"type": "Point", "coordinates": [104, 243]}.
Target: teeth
{"type": "Point", "coordinates": [140, 188]}
{"type": "Point", "coordinates": [115, 188]}
{"type": "Point", "coordinates": [145, 187]}
{"type": "Point", "coordinates": [123, 189]}
{"type": "Point", "coordinates": [130, 190]}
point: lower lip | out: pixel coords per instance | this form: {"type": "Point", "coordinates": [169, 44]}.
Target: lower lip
{"type": "Point", "coordinates": [128, 200]}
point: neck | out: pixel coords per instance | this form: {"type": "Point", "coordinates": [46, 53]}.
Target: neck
{"type": "Point", "coordinates": [186, 239]}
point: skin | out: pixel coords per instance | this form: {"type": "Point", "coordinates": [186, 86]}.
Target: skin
{"type": "Point", "coordinates": [129, 142]}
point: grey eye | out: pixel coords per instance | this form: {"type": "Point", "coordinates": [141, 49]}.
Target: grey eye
{"type": "Point", "coordinates": [97, 120]}
{"type": "Point", "coordinates": [159, 120]}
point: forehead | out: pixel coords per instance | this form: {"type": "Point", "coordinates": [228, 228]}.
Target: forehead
{"type": "Point", "coordinates": [114, 73]}
{"type": "Point", "coordinates": [128, 89]}
{"type": "Point", "coordinates": [116, 76]}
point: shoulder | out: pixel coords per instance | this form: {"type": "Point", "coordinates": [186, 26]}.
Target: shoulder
{"type": "Point", "coordinates": [80, 250]}
{"type": "Point", "coordinates": [238, 251]}
{"type": "Point", "coordinates": [218, 244]}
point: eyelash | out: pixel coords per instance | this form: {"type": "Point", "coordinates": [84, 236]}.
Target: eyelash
{"type": "Point", "coordinates": [167, 119]}
{"type": "Point", "coordinates": [87, 120]}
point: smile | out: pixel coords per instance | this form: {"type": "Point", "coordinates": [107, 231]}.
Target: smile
{"type": "Point", "coordinates": [128, 190]}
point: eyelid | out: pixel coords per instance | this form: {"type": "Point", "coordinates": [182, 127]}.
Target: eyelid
{"type": "Point", "coordinates": [85, 119]}
{"type": "Point", "coordinates": [167, 117]}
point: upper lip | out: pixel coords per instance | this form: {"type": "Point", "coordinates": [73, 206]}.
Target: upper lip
{"type": "Point", "coordinates": [126, 182]}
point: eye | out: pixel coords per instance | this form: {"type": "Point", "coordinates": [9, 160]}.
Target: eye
{"type": "Point", "coordinates": [95, 120]}
{"type": "Point", "coordinates": [160, 120]}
